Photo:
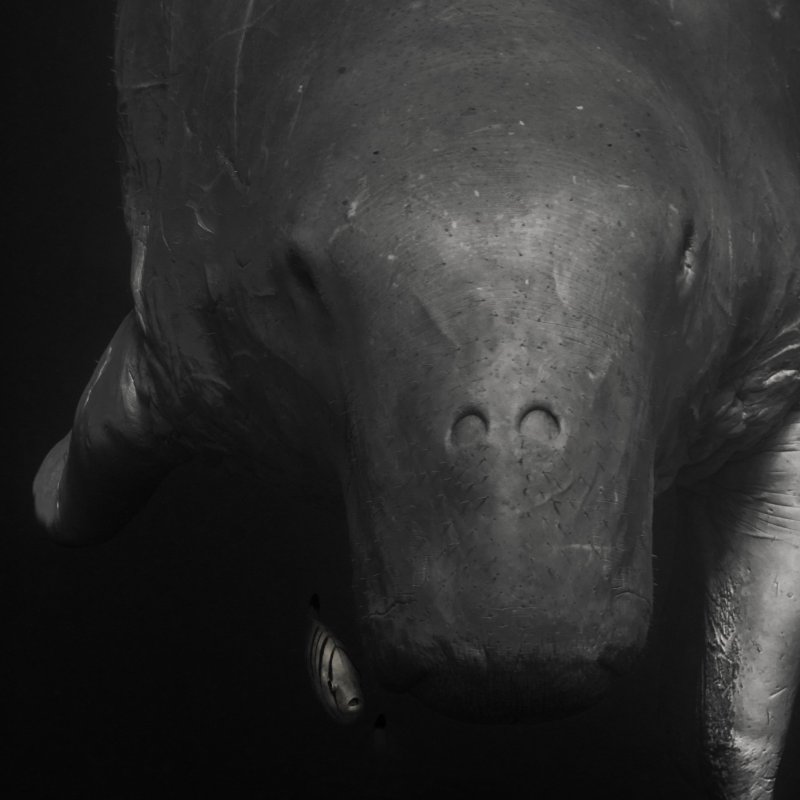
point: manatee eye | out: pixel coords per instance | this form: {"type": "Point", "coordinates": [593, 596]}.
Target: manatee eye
{"type": "Point", "coordinates": [302, 290]}
{"type": "Point", "coordinates": [354, 703]}
{"type": "Point", "coordinates": [299, 269]}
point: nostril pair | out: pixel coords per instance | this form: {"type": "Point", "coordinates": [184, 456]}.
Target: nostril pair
{"type": "Point", "coordinates": [535, 423]}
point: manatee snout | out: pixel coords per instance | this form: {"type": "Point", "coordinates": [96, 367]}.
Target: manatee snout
{"type": "Point", "coordinates": [497, 352]}
{"type": "Point", "coordinates": [501, 534]}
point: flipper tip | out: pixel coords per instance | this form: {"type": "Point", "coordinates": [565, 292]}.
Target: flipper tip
{"type": "Point", "coordinates": [46, 483]}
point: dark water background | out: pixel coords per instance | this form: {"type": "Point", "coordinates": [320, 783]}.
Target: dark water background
{"type": "Point", "coordinates": [170, 660]}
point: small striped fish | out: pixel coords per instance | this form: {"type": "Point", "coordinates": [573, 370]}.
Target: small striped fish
{"type": "Point", "coordinates": [333, 676]}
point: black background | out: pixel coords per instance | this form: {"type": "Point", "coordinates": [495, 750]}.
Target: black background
{"type": "Point", "coordinates": [170, 660]}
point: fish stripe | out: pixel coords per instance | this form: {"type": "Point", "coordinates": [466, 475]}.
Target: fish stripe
{"type": "Point", "coordinates": [312, 650]}
{"type": "Point", "coordinates": [330, 678]}
{"type": "Point", "coordinates": [330, 668]}
{"type": "Point", "coordinates": [321, 659]}
{"type": "Point", "coordinates": [318, 634]}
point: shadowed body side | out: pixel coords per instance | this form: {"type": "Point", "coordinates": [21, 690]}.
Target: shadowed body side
{"type": "Point", "coordinates": [504, 272]}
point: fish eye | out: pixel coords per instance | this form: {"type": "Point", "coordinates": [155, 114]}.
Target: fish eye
{"type": "Point", "coordinates": [354, 702]}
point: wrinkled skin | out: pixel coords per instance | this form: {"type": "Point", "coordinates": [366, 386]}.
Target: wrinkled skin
{"type": "Point", "coordinates": [506, 270]}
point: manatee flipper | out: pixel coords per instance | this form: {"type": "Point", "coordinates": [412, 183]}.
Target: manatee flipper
{"type": "Point", "coordinates": [120, 448]}
{"type": "Point", "coordinates": [750, 520]}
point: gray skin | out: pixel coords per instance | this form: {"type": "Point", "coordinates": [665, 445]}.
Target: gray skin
{"type": "Point", "coordinates": [506, 271]}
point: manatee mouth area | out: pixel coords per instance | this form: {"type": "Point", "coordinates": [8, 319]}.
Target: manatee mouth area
{"type": "Point", "coordinates": [522, 690]}
{"type": "Point", "coordinates": [541, 693]}
{"type": "Point", "coordinates": [547, 665]}
{"type": "Point", "coordinates": [508, 623]}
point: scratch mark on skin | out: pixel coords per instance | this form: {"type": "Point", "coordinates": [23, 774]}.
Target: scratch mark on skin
{"type": "Point", "coordinates": [248, 14]}
{"type": "Point", "coordinates": [352, 208]}
{"type": "Point", "coordinates": [137, 271]}
{"type": "Point", "coordinates": [398, 601]}
{"type": "Point", "coordinates": [163, 236]}
{"type": "Point", "coordinates": [776, 536]}
{"type": "Point", "coordinates": [300, 90]}
{"type": "Point", "coordinates": [595, 549]}
{"type": "Point", "coordinates": [495, 127]}
{"type": "Point", "coordinates": [230, 170]}
{"type": "Point", "coordinates": [198, 218]}
{"type": "Point", "coordinates": [618, 593]}
{"type": "Point", "coordinates": [138, 87]}
{"type": "Point", "coordinates": [337, 231]}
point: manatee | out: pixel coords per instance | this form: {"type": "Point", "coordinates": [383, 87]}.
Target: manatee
{"type": "Point", "coordinates": [500, 273]}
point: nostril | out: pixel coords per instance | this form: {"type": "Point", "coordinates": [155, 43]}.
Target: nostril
{"type": "Point", "coordinates": [539, 424]}
{"type": "Point", "coordinates": [470, 427]}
